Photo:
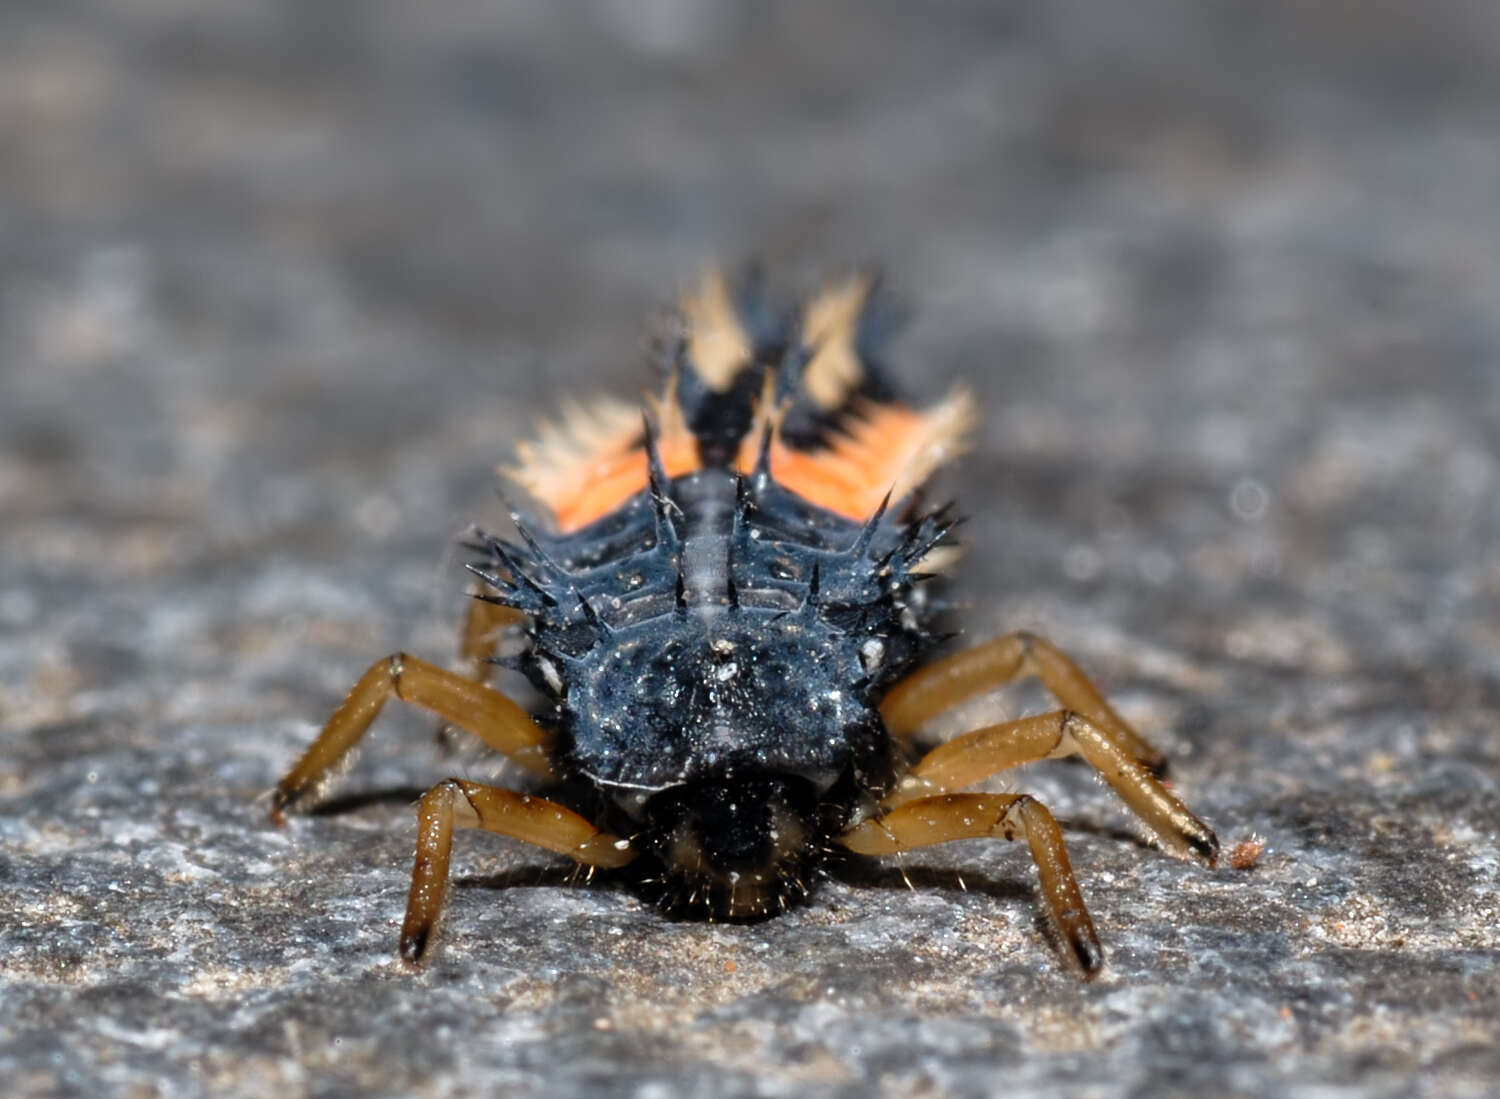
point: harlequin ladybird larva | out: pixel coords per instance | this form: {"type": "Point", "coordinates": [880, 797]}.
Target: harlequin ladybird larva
{"type": "Point", "coordinates": [723, 614]}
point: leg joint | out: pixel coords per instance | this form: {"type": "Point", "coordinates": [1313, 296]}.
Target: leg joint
{"type": "Point", "coordinates": [1068, 723]}
{"type": "Point", "coordinates": [451, 793]}
{"type": "Point", "coordinates": [1025, 805]}
{"type": "Point", "coordinates": [448, 792]}
{"type": "Point", "coordinates": [1027, 646]}
{"type": "Point", "coordinates": [1013, 814]}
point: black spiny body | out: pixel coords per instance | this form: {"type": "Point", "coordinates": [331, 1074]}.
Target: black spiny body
{"type": "Point", "coordinates": [714, 651]}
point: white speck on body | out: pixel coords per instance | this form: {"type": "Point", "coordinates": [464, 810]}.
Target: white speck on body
{"type": "Point", "coordinates": [550, 673]}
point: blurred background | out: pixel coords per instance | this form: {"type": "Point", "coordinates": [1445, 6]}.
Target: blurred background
{"type": "Point", "coordinates": [280, 283]}
{"type": "Point", "coordinates": [265, 262]}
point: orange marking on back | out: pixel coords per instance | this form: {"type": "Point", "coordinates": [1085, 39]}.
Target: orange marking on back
{"type": "Point", "coordinates": [592, 461]}
{"type": "Point", "coordinates": [614, 479]}
{"type": "Point", "coordinates": [882, 448]}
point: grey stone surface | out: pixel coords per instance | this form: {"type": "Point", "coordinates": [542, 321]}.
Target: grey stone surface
{"type": "Point", "coordinates": [280, 282]}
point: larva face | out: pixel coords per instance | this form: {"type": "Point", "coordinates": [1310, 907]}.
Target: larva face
{"type": "Point", "coordinates": [712, 695]}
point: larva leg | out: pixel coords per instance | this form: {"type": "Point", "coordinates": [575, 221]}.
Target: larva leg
{"type": "Point", "coordinates": [486, 713]}
{"type": "Point", "coordinates": [967, 759]}
{"type": "Point", "coordinates": [483, 624]}
{"type": "Point", "coordinates": [945, 683]}
{"type": "Point", "coordinates": [455, 802]}
{"type": "Point", "coordinates": [1010, 816]}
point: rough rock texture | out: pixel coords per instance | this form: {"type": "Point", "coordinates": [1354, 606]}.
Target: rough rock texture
{"type": "Point", "coordinates": [280, 282]}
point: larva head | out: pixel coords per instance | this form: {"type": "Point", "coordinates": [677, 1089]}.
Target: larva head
{"type": "Point", "coordinates": [734, 848]}
{"type": "Point", "coordinates": [713, 694]}
{"type": "Point", "coordinates": [736, 740]}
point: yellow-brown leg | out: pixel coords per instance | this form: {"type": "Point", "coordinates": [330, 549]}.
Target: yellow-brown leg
{"type": "Point", "coordinates": [967, 759]}
{"type": "Point", "coordinates": [520, 816]}
{"type": "Point", "coordinates": [483, 624]}
{"type": "Point", "coordinates": [1013, 816]}
{"type": "Point", "coordinates": [945, 683]}
{"type": "Point", "coordinates": [486, 713]}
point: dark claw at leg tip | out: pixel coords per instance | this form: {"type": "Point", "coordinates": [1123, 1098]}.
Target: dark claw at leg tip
{"type": "Point", "coordinates": [1090, 957]}
{"type": "Point", "coordinates": [412, 948]}
{"type": "Point", "coordinates": [1206, 847]}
